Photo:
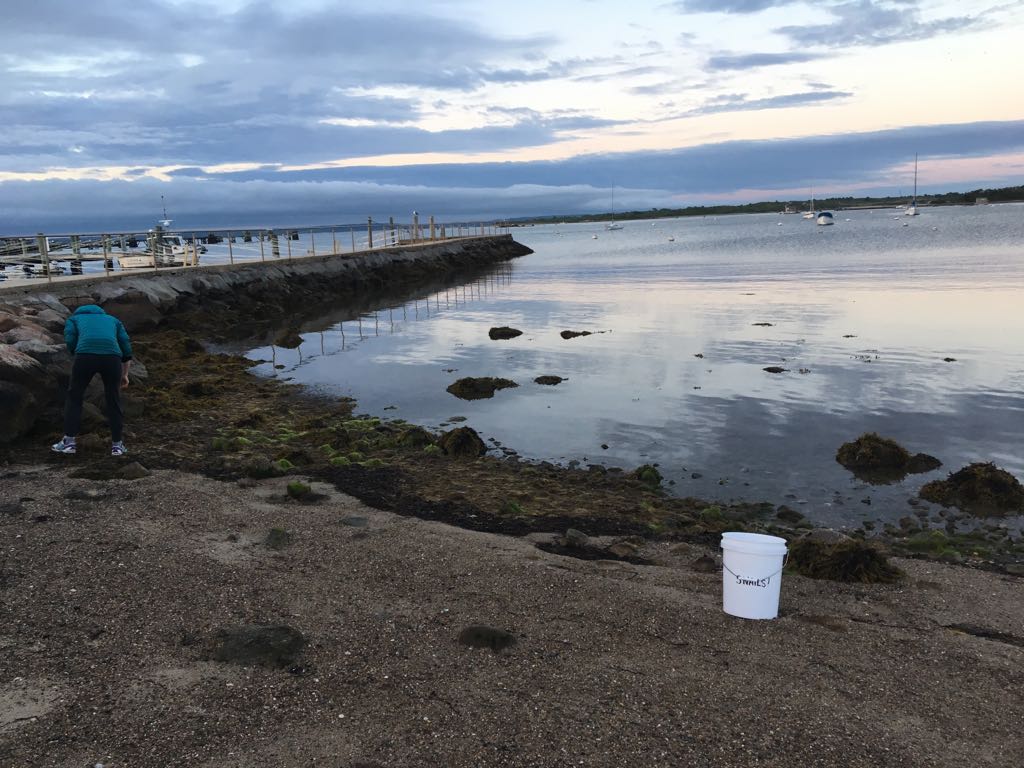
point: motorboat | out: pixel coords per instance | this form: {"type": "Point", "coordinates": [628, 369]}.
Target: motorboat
{"type": "Point", "coordinates": [824, 219]}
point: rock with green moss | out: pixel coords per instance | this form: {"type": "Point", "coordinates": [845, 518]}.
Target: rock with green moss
{"type": "Point", "coordinates": [880, 460]}
{"type": "Point", "coordinates": [648, 474]}
{"type": "Point", "coordinates": [278, 538]}
{"type": "Point", "coordinates": [355, 457]}
{"type": "Point", "coordinates": [980, 489]}
{"type": "Point", "coordinates": [372, 464]}
{"type": "Point", "coordinates": [341, 461]}
{"type": "Point", "coordinates": [462, 443]}
{"type": "Point", "coordinates": [299, 490]}
{"type": "Point", "coordinates": [433, 450]}
{"type": "Point", "coordinates": [415, 437]}
{"type": "Point", "coordinates": [479, 388]}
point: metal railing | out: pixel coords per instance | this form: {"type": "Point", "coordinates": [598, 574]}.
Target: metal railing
{"type": "Point", "coordinates": [55, 255]}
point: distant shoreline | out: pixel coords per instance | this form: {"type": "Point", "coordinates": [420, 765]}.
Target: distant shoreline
{"type": "Point", "coordinates": [972, 198]}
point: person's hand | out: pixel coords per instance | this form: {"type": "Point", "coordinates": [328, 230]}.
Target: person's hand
{"type": "Point", "coordinates": [124, 381]}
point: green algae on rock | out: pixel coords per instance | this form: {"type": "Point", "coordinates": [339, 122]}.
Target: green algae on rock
{"type": "Point", "coordinates": [648, 474]}
{"type": "Point", "coordinates": [549, 380]}
{"type": "Point", "coordinates": [980, 489]}
{"type": "Point", "coordinates": [479, 388]}
{"type": "Point", "coordinates": [462, 443]}
{"type": "Point", "coordinates": [880, 460]}
{"type": "Point", "coordinates": [841, 559]}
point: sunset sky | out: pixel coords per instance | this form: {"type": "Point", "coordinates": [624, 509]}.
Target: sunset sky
{"type": "Point", "coordinates": [266, 112]}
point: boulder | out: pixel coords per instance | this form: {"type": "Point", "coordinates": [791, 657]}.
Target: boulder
{"type": "Point", "coordinates": [462, 443]}
{"type": "Point", "coordinates": [471, 388]}
{"type": "Point", "coordinates": [503, 332]}
{"type": "Point", "coordinates": [134, 309]}
{"type": "Point", "coordinates": [26, 331]}
{"type": "Point", "coordinates": [18, 410]}
{"type": "Point", "coordinates": [18, 367]}
{"type": "Point", "coordinates": [51, 321]}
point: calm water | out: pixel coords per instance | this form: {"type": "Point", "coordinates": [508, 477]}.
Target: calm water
{"type": "Point", "coordinates": [862, 315]}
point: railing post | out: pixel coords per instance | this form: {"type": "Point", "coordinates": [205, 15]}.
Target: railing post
{"type": "Point", "coordinates": [369, 232]}
{"type": "Point", "coordinates": [352, 231]}
{"type": "Point", "coordinates": [312, 241]}
{"type": "Point", "coordinates": [391, 229]}
{"type": "Point", "coordinates": [106, 254]}
{"type": "Point", "coordinates": [44, 254]}
{"type": "Point", "coordinates": [334, 241]}
{"type": "Point", "coordinates": [262, 255]}
{"type": "Point", "coordinates": [288, 239]}
{"type": "Point", "coordinates": [231, 252]}
{"type": "Point", "coordinates": [432, 228]}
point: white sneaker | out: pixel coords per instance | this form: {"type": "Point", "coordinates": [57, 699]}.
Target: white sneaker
{"type": "Point", "coordinates": [118, 449]}
{"type": "Point", "coordinates": [66, 445]}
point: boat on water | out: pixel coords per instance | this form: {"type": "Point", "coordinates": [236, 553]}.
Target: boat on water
{"type": "Point", "coordinates": [824, 219]}
{"type": "Point", "coordinates": [162, 250]}
{"type": "Point", "coordinates": [789, 209]}
{"type": "Point", "coordinates": [811, 213]}
{"type": "Point", "coordinates": [911, 209]}
{"type": "Point", "coordinates": [613, 225]}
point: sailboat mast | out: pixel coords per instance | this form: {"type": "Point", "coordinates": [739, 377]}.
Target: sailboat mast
{"type": "Point", "coordinates": [915, 177]}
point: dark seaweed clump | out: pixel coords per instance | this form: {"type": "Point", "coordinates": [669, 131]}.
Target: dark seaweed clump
{"type": "Point", "coordinates": [979, 489]}
{"type": "Point", "coordinates": [844, 560]}
{"type": "Point", "coordinates": [877, 459]}
{"type": "Point", "coordinates": [471, 388]}
{"type": "Point", "coordinates": [504, 332]}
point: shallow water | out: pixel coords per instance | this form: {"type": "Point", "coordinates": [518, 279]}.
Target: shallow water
{"type": "Point", "coordinates": [862, 315]}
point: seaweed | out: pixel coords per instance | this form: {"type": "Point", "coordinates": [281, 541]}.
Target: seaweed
{"type": "Point", "coordinates": [980, 489]}
{"type": "Point", "coordinates": [846, 560]}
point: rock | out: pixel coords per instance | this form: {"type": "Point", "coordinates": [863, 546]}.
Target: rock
{"type": "Point", "coordinates": [134, 309]}
{"type": "Point", "coordinates": [278, 539]}
{"type": "Point", "coordinates": [775, 369]}
{"type": "Point", "coordinates": [788, 515]}
{"type": "Point", "coordinates": [265, 645]}
{"type": "Point", "coordinates": [133, 471]}
{"type": "Point", "coordinates": [92, 418]}
{"type": "Point", "coordinates": [414, 436]}
{"type": "Point", "coordinates": [51, 320]}
{"type": "Point", "coordinates": [471, 388]}
{"type": "Point", "coordinates": [978, 489]}
{"type": "Point", "coordinates": [480, 636]}
{"type": "Point", "coordinates": [462, 443]}
{"type": "Point", "coordinates": [705, 564]}
{"type": "Point", "coordinates": [18, 410]}
{"type": "Point", "coordinates": [575, 538]}
{"type": "Point", "coordinates": [922, 462]}
{"type": "Point", "coordinates": [624, 549]}
{"type": "Point", "coordinates": [573, 334]}
{"type": "Point", "coordinates": [26, 331]}
{"type": "Point", "coordinates": [648, 475]}
{"type": "Point", "coordinates": [18, 367]}
{"type": "Point", "coordinates": [762, 325]}
{"type": "Point", "coordinates": [504, 332]}
{"type": "Point", "coordinates": [879, 460]}
{"type": "Point", "coordinates": [7, 322]}
{"type": "Point", "coordinates": [549, 380]}
{"type": "Point", "coordinates": [289, 339]}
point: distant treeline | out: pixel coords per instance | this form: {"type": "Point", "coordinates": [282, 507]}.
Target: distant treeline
{"type": "Point", "coordinates": [1004, 195]}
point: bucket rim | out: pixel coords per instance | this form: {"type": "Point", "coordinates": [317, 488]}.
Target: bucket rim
{"type": "Point", "coordinates": [753, 543]}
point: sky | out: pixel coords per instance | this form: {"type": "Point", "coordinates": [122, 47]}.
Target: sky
{"type": "Point", "coordinates": [267, 112]}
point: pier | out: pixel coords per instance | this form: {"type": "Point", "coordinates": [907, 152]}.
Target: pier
{"type": "Point", "coordinates": [62, 256]}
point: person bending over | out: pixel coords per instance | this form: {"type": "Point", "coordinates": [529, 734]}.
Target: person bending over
{"type": "Point", "coordinates": [99, 344]}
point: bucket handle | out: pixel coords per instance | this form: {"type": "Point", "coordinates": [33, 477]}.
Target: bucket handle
{"type": "Point", "coordinates": [769, 576]}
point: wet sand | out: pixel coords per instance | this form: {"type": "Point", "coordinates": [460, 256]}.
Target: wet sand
{"type": "Point", "coordinates": [110, 605]}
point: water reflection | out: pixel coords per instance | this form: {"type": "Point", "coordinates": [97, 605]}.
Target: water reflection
{"type": "Point", "coordinates": [863, 321]}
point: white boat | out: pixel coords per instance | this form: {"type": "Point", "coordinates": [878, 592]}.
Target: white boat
{"type": "Point", "coordinates": [911, 209]}
{"type": "Point", "coordinates": [824, 219]}
{"type": "Point", "coordinates": [613, 225]}
{"type": "Point", "coordinates": [810, 214]}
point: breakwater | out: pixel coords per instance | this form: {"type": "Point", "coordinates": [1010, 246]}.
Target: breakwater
{"type": "Point", "coordinates": [33, 360]}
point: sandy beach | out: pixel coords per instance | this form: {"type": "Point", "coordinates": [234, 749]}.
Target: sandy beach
{"type": "Point", "coordinates": [114, 593]}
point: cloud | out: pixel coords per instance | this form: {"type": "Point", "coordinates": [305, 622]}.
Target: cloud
{"type": "Point", "coordinates": [742, 103]}
{"type": "Point", "coordinates": [869, 162]}
{"type": "Point", "coordinates": [727, 6]}
{"type": "Point", "coordinates": [873, 23]}
{"type": "Point", "coordinates": [752, 60]}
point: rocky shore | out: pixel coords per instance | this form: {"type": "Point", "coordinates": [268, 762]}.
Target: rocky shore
{"type": "Point", "coordinates": [274, 581]}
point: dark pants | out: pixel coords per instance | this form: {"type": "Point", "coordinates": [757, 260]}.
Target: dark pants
{"type": "Point", "coordinates": [82, 370]}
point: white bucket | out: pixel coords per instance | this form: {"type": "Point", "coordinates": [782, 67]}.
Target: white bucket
{"type": "Point", "coordinates": [752, 574]}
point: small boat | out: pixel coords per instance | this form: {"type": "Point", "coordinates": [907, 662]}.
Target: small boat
{"type": "Point", "coordinates": [810, 214]}
{"type": "Point", "coordinates": [612, 225]}
{"type": "Point", "coordinates": [671, 239]}
{"type": "Point", "coordinates": [824, 219]}
{"type": "Point", "coordinates": [911, 209]}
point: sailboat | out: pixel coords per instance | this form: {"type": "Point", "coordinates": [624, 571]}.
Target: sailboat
{"type": "Point", "coordinates": [810, 211]}
{"type": "Point", "coordinates": [613, 224]}
{"type": "Point", "coordinates": [911, 209]}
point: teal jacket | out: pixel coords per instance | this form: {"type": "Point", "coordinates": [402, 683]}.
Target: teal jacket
{"type": "Point", "coordinates": [91, 331]}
